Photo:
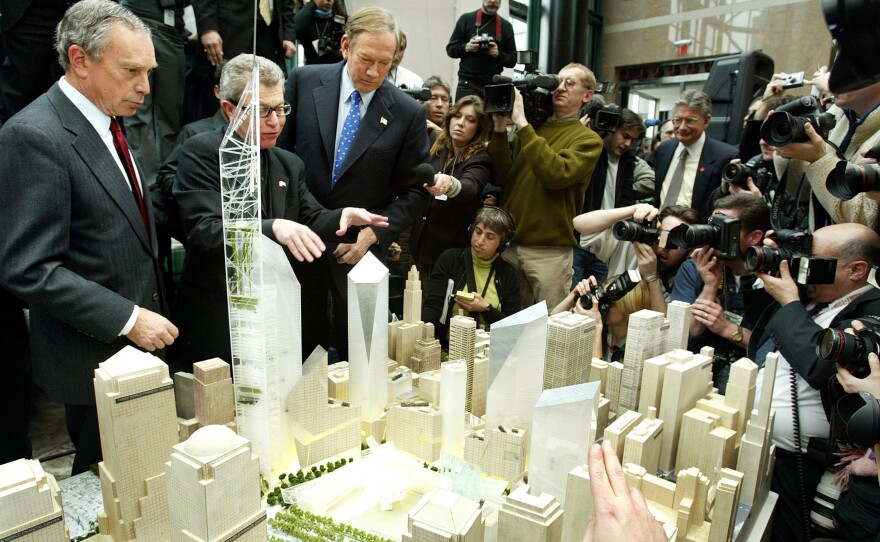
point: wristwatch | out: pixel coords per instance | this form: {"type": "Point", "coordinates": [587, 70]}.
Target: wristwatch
{"type": "Point", "coordinates": [738, 335]}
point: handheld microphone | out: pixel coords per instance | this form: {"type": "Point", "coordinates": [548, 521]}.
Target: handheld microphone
{"type": "Point", "coordinates": [425, 174]}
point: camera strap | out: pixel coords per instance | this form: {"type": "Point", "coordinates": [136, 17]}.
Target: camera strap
{"type": "Point", "coordinates": [480, 23]}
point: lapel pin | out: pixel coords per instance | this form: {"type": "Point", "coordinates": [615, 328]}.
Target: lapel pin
{"type": "Point", "coordinates": [282, 184]}
{"type": "Point", "coordinates": [383, 121]}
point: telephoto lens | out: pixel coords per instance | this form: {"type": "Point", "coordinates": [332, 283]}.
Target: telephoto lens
{"type": "Point", "coordinates": [628, 230]}
{"type": "Point", "coordinates": [848, 180]}
{"type": "Point", "coordinates": [845, 348]}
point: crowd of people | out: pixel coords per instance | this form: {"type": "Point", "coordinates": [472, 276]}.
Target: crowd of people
{"type": "Point", "coordinates": [101, 174]}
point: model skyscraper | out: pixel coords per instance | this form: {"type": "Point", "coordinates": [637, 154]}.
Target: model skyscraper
{"type": "Point", "coordinates": [138, 422]}
{"type": "Point", "coordinates": [462, 332]}
{"type": "Point", "coordinates": [643, 340]}
{"type": "Point", "coordinates": [443, 516]}
{"type": "Point", "coordinates": [214, 489]}
{"type": "Point", "coordinates": [570, 339]}
{"type": "Point", "coordinates": [30, 504]}
{"type": "Point", "coordinates": [525, 517]}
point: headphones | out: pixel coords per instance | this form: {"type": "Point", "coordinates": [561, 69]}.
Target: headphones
{"type": "Point", "coordinates": [508, 224]}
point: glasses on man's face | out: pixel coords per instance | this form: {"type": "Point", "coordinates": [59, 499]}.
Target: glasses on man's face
{"type": "Point", "coordinates": [689, 121]}
{"type": "Point", "coordinates": [570, 83]}
{"type": "Point", "coordinates": [281, 110]}
{"type": "Point", "coordinates": [439, 98]}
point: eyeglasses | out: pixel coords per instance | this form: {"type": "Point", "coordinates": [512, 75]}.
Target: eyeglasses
{"type": "Point", "coordinates": [690, 121]}
{"type": "Point", "coordinates": [570, 83]}
{"type": "Point", "coordinates": [281, 110]}
{"type": "Point", "coordinates": [439, 98]}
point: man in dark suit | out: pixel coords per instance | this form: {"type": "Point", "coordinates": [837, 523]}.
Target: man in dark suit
{"type": "Point", "coordinates": [290, 213]}
{"type": "Point", "coordinates": [375, 170]}
{"type": "Point", "coordinates": [79, 246]}
{"type": "Point", "coordinates": [688, 179]}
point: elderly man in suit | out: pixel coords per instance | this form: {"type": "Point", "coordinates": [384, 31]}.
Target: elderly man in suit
{"type": "Point", "coordinates": [290, 213]}
{"type": "Point", "coordinates": [361, 139]}
{"type": "Point", "coordinates": [689, 166]}
{"type": "Point", "coordinates": [79, 245]}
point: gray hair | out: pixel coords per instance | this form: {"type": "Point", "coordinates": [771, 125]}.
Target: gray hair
{"type": "Point", "coordinates": [695, 100]}
{"type": "Point", "coordinates": [237, 73]}
{"type": "Point", "coordinates": [88, 23]}
{"type": "Point", "coordinates": [371, 19]}
{"type": "Point", "coordinates": [436, 81]}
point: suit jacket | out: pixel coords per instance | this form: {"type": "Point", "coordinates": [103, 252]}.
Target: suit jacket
{"type": "Point", "coordinates": [200, 310]}
{"type": "Point", "coordinates": [74, 245]}
{"type": "Point", "coordinates": [624, 194]}
{"type": "Point", "coordinates": [715, 155]}
{"type": "Point", "coordinates": [234, 20]}
{"type": "Point", "coordinates": [379, 170]}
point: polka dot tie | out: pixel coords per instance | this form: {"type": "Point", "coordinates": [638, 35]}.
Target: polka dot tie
{"type": "Point", "coordinates": [349, 129]}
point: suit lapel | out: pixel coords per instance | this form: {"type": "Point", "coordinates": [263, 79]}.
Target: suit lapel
{"type": "Point", "coordinates": [95, 155]}
{"type": "Point", "coordinates": [326, 97]}
{"type": "Point", "coordinates": [375, 121]}
{"type": "Point", "coordinates": [278, 183]}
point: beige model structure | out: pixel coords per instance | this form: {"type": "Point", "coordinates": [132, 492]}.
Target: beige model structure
{"type": "Point", "coordinates": [570, 339]}
{"type": "Point", "coordinates": [578, 504]}
{"type": "Point", "coordinates": [453, 384]}
{"type": "Point", "coordinates": [429, 387]}
{"type": "Point", "coordinates": [30, 504]}
{"type": "Point", "coordinates": [499, 451]}
{"type": "Point", "coordinates": [652, 377]}
{"type": "Point", "coordinates": [416, 428]}
{"type": "Point", "coordinates": [480, 384]}
{"type": "Point", "coordinates": [724, 510]}
{"type": "Point", "coordinates": [426, 352]}
{"type": "Point", "coordinates": [705, 444]}
{"type": "Point", "coordinates": [482, 339]}
{"type": "Point", "coordinates": [337, 381]}
{"type": "Point", "coordinates": [678, 313]}
{"type": "Point", "coordinates": [644, 339]}
{"type": "Point", "coordinates": [212, 390]}
{"type": "Point", "coordinates": [321, 428]}
{"type": "Point", "coordinates": [135, 402]}
{"type": "Point", "coordinates": [524, 517]}
{"type": "Point", "coordinates": [404, 334]}
{"type": "Point", "coordinates": [740, 392]}
{"type": "Point", "coordinates": [599, 372]}
{"type": "Point", "coordinates": [400, 384]}
{"type": "Point", "coordinates": [756, 449]}
{"type": "Point", "coordinates": [617, 431]}
{"type": "Point", "coordinates": [614, 374]}
{"type": "Point", "coordinates": [214, 489]}
{"type": "Point", "coordinates": [443, 516]}
{"type": "Point", "coordinates": [643, 442]}
{"type": "Point", "coordinates": [462, 332]}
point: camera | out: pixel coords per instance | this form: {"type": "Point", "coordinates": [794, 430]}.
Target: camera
{"type": "Point", "coordinates": [536, 89]}
{"type": "Point", "coordinates": [421, 94]}
{"type": "Point", "coordinates": [793, 80]}
{"type": "Point", "coordinates": [333, 41]}
{"type": "Point", "coordinates": [485, 41]}
{"type": "Point", "coordinates": [721, 233]}
{"type": "Point", "coordinates": [604, 119]}
{"type": "Point", "coordinates": [847, 180]}
{"type": "Point", "coordinates": [844, 348]}
{"type": "Point", "coordinates": [630, 230]}
{"type": "Point", "coordinates": [794, 246]}
{"type": "Point", "coordinates": [621, 286]}
{"type": "Point", "coordinates": [786, 124]}
{"type": "Point", "coordinates": [738, 173]}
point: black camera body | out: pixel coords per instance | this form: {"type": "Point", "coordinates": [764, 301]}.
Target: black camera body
{"type": "Point", "coordinates": [536, 89]}
{"type": "Point", "coordinates": [606, 119]}
{"type": "Point", "coordinates": [793, 246]}
{"type": "Point", "coordinates": [847, 180]}
{"type": "Point", "coordinates": [630, 230]}
{"type": "Point", "coordinates": [840, 347]}
{"type": "Point", "coordinates": [721, 233]}
{"type": "Point", "coordinates": [331, 41]}
{"type": "Point", "coordinates": [737, 173]}
{"type": "Point", "coordinates": [485, 41]}
{"type": "Point", "coordinates": [613, 292]}
{"type": "Point", "coordinates": [786, 124]}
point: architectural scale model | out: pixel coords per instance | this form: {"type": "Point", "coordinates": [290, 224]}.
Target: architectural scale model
{"type": "Point", "coordinates": [214, 489]}
{"type": "Point", "coordinates": [400, 385]}
{"type": "Point", "coordinates": [322, 427]}
{"type": "Point", "coordinates": [262, 295]}
{"type": "Point", "coordinates": [563, 429]}
{"type": "Point", "coordinates": [644, 339]}
{"type": "Point", "coordinates": [617, 430]}
{"type": "Point", "coordinates": [570, 339]}
{"type": "Point", "coordinates": [135, 401]}
{"type": "Point", "coordinates": [525, 517]}
{"type": "Point", "coordinates": [500, 451]}
{"type": "Point", "coordinates": [426, 352]}
{"type": "Point", "coordinates": [740, 392]}
{"type": "Point", "coordinates": [717, 444]}
{"type": "Point", "coordinates": [678, 313]}
{"type": "Point", "coordinates": [429, 386]}
{"type": "Point", "coordinates": [368, 343]}
{"type": "Point", "coordinates": [578, 504]}
{"type": "Point", "coordinates": [480, 387]}
{"type": "Point", "coordinates": [443, 516]}
{"type": "Point", "coordinates": [212, 391]}
{"type": "Point", "coordinates": [482, 338]}
{"type": "Point", "coordinates": [30, 504]}
{"type": "Point", "coordinates": [337, 381]}
{"type": "Point", "coordinates": [756, 449]}
{"type": "Point", "coordinates": [453, 385]}
{"type": "Point", "coordinates": [642, 443]}
{"type": "Point", "coordinates": [462, 332]}
{"type": "Point", "coordinates": [416, 427]}
{"type": "Point", "coordinates": [407, 332]}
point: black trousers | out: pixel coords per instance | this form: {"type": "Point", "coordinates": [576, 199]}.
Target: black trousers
{"type": "Point", "coordinates": [82, 426]}
{"type": "Point", "coordinates": [788, 522]}
{"type": "Point", "coordinates": [17, 393]}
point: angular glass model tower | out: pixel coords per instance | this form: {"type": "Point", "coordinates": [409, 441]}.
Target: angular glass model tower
{"type": "Point", "coordinates": [262, 295]}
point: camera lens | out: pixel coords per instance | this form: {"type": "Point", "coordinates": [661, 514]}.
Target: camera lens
{"type": "Point", "coordinates": [692, 236]}
{"type": "Point", "coordinates": [737, 174]}
{"type": "Point", "coordinates": [780, 129]}
{"type": "Point", "coordinates": [848, 180]}
{"type": "Point", "coordinates": [764, 260]}
{"type": "Point", "coordinates": [627, 230]}
{"type": "Point", "coordinates": [831, 344]}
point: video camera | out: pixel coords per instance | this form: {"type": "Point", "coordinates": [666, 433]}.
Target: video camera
{"type": "Point", "coordinates": [605, 119]}
{"type": "Point", "coordinates": [794, 246]}
{"type": "Point", "coordinates": [721, 233]}
{"type": "Point", "coordinates": [536, 89]}
{"type": "Point", "coordinates": [762, 174]}
{"type": "Point", "coordinates": [615, 291]}
{"type": "Point", "coordinates": [485, 41]}
{"type": "Point", "coordinates": [847, 180]}
{"type": "Point", "coordinates": [786, 124]}
{"type": "Point", "coordinates": [421, 94]}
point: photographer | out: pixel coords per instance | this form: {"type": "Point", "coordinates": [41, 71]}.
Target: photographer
{"type": "Point", "coordinates": [319, 28]}
{"type": "Point", "coordinates": [791, 326]}
{"type": "Point", "coordinates": [857, 130]}
{"type": "Point", "coordinates": [716, 288]}
{"type": "Point", "coordinates": [543, 175]}
{"type": "Point", "coordinates": [657, 262]}
{"type": "Point", "coordinates": [484, 42]}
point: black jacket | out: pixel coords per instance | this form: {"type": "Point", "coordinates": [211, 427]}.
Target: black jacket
{"type": "Point", "coordinates": [457, 264]}
{"type": "Point", "coordinates": [624, 195]}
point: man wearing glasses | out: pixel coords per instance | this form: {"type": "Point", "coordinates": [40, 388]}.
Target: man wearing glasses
{"type": "Point", "coordinates": [291, 215]}
{"type": "Point", "coordinates": [689, 166]}
{"type": "Point", "coordinates": [543, 174]}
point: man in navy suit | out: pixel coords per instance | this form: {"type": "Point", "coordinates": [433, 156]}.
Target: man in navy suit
{"type": "Point", "coordinates": [79, 247]}
{"type": "Point", "coordinates": [688, 179]}
{"type": "Point", "coordinates": [374, 170]}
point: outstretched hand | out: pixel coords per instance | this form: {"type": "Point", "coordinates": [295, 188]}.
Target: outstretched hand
{"type": "Point", "coordinates": [355, 216]}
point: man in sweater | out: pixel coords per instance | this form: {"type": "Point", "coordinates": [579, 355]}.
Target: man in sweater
{"type": "Point", "coordinates": [543, 176]}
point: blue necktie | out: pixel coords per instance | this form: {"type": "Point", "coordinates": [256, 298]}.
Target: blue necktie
{"type": "Point", "coordinates": [349, 129]}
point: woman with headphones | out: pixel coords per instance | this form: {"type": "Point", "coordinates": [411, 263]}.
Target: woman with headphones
{"type": "Point", "coordinates": [474, 281]}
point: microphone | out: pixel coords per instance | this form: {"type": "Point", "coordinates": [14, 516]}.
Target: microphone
{"type": "Point", "coordinates": [425, 174]}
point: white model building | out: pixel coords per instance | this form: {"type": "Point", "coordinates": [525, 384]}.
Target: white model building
{"type": "Point", "coordinates": [563, 428]}
{"type": "Point", "coordinates": [262, 296]}
{"type": "Point", "coordinates": [443, 516]}
{"type": "Point", "coordinates": [570, 339]}
{"type": "Point", "coordinates": [578, 504]}
{"type": "Point", "coordinates": [643, 442]}
{"type": "Point", "coordinates": [644, 340]}
{"type": "Point", "coordinates": [212, 391]}
{"type": "Point", "coordinates": [337, 381]}
{"type": "Point", "coordinates": [214, 489]}
{"type": "Point", "coordinates": [756, 449]}
{"type": "Point", "coordinates": [453, 386]}
{"type": "Point", "coordinates": [138, 424]}
{"type": "Point", "coordinates": [617, 430]}
{"type": "Point", "coordinates": [525, 517]}
{"type": "Point", "coordinates": [30, 504]}
{"type": "Point", "coordinates": [416, 427]}
{"type": "Point", "coordinates": [684, 383]}
{"type": "Point", "coordinates": [740, 392]}
{"type": "Point", "coordinates": [462, 331]}
{"type": "Point", "coordinates": [426, 352]}
{"type": "Point", "coordinates": [480, 388]}
{"type": "Point", "coordinates": [678, 313]}
{"type": "Point", "coordinates": [499, 451]}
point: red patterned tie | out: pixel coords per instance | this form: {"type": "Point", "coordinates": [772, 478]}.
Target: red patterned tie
{"type": "Point", "coordinates": [124, 155]}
